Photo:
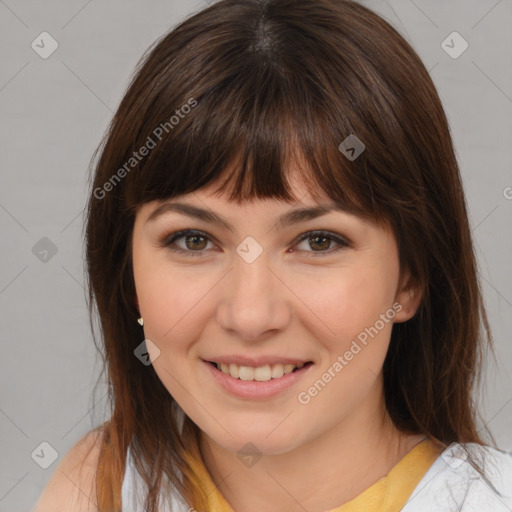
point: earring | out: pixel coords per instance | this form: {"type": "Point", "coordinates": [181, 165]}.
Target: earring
{"type": "Point", "coordinates": [141, 321]}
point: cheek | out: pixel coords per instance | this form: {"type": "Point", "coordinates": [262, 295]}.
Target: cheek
{"type": "Point", "coordinates": [173, 301]}
{"type": "Point", "coordinates": [346, 301]}
{"type": "Point", "coordinates": [352, 305]}
{"type": "Point", "coordinates": [174, 305]}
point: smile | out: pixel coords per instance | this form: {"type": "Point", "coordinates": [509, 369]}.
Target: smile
{"type": "Point", "coordinates": [259, 373]}
{"type": "Point", "coordinates": [256, 382]}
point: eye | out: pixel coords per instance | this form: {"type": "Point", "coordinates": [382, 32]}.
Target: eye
{"type": "Point", "coordinates": [193, 242]}
{"type": "Point", "coordinates": [319, 241]}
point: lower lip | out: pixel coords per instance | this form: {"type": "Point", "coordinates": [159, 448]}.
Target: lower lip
{"type": "Point", "coordinates": [254, 388]}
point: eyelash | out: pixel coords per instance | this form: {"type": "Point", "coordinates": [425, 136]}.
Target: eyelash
{"type": "Point", "coordinates": [170, 239]}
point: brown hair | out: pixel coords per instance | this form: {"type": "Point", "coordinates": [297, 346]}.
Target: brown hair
{"type": "Point", "coordinates": [270, 86]}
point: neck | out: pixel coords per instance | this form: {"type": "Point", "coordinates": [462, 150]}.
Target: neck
{"type": "Point", "coordinates": [323, 474]}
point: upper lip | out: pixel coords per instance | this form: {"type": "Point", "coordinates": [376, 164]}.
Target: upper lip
{"type": "Point", "coordinates": [257, 361]}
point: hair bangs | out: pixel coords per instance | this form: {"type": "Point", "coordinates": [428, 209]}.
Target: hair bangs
{"type": "Point", "coordinates": [249, 137]}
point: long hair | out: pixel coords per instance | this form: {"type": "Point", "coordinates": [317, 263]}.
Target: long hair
{"type": "Point", "coordinates": [275, 85]}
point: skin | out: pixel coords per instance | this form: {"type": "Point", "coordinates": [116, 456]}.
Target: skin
{"type": "Point", "coordinates": [315, 456]}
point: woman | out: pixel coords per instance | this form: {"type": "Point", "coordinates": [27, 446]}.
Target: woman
{"type": "Point", "coordinates": [279, 252]}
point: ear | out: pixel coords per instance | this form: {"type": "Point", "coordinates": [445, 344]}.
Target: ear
{"type": "Point", "coordinates": [137, 303]}
{"type": "Point", "coordinates": [409, 296]}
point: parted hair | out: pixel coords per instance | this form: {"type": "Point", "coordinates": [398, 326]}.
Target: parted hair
{"type": "Point", "coordinates": [275, 85]}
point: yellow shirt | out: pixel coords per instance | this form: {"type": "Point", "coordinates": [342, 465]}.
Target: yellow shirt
{"type": "Point", "coordinates": [389, 494]}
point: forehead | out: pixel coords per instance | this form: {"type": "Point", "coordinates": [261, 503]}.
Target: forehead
{"type": "Point", "coordinates": [301, 189]}
{"type": "Point", "coordinates": [231, 194]}
{"type": "Point", "coordinates": [214, 206]}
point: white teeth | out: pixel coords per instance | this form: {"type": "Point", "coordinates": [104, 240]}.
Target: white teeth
{"type": "Point", "coordinates": [260, 373]}
{"type": "Point", "coordinates": [234, 370]}
{"type": "Point", "coordinates": [288, 368]}
{"type": "Point", "coordinates": [246, 373]}
{"type": "Point", "coordinates": [277, 371]}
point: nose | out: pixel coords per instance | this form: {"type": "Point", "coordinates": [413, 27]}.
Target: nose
{"type": "Point", "coordinates": [254, 301]}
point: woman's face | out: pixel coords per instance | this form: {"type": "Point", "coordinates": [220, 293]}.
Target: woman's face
{"type": "Point", "coordinates": [248, 293]}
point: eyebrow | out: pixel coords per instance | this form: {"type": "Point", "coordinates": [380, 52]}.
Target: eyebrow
{"type": "Point", "coordinates": [292, 217]}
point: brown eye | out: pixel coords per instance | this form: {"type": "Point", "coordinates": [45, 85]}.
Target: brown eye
{"type": "Point", "coordinates": [194, 242]}
{"type": "Point", "coordinates": [320, 241]}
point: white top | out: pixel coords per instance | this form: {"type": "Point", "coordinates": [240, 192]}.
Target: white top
{"type": "Point", "coordinates": [450, 485]}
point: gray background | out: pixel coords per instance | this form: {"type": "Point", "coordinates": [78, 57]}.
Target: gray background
{"type": "Point", "coordinates": [53, 114]}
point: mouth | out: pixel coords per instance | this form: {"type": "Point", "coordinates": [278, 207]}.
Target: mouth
{"type": "Point", "coordinates": [257, 382]}
{"type": "Point", "coordinates": [262, 373]}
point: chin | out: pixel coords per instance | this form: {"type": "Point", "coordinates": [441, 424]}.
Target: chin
{"type": "Point", "coordinates": [258, 439]}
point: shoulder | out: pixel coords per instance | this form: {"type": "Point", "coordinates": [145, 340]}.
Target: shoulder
{"type": "Point", "coordinates": [72, 485]}
{"type": "Point", "coordinates": [454, 482]}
